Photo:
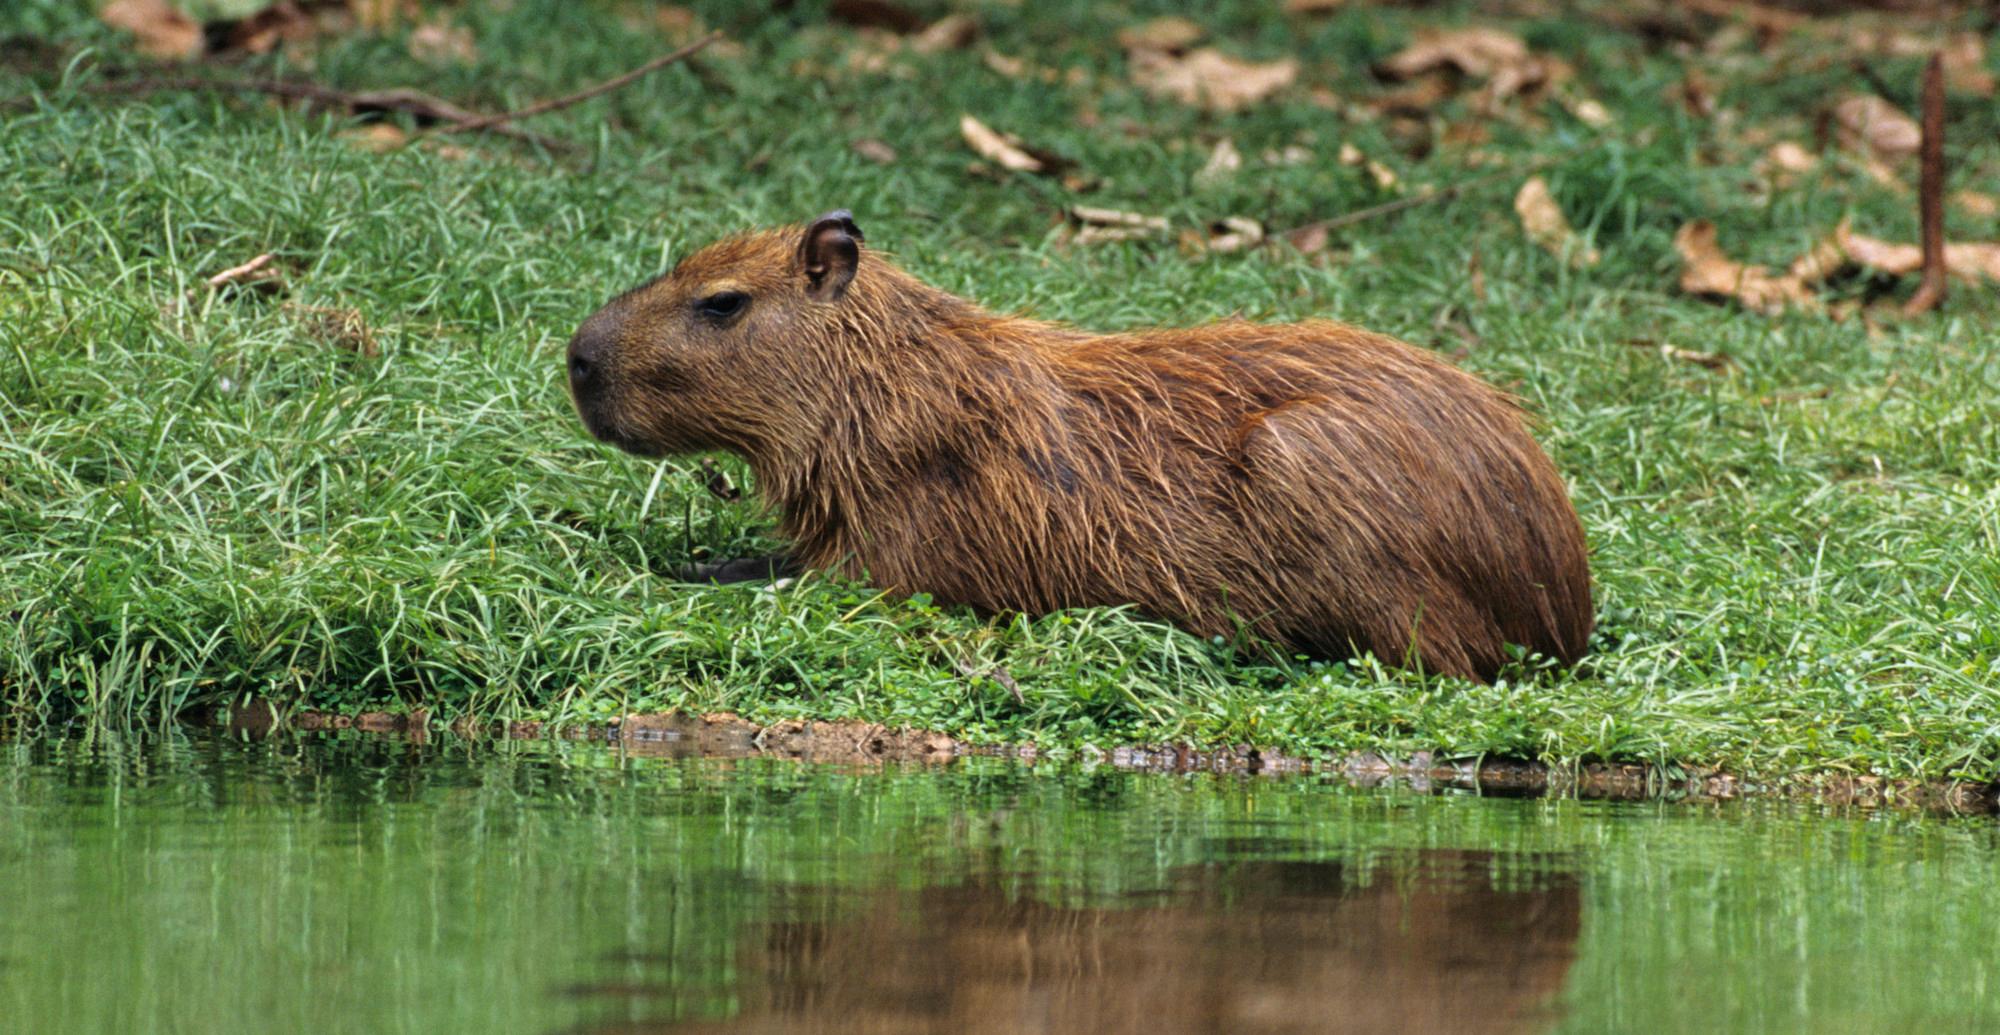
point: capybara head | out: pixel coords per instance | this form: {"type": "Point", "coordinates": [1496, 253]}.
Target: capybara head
{"type": "Point", "coordinates": [656, 370]}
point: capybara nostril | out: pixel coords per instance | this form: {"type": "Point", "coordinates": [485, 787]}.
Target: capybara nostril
{"type": "Point", "coordinates": [579, 366]}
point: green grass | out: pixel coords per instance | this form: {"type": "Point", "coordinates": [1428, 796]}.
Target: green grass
{"type": "Point", "coordinates": [202, 496]}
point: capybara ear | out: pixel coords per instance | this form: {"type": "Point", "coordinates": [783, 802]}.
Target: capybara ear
{"type": "Point", "coordinates": [830, 252]}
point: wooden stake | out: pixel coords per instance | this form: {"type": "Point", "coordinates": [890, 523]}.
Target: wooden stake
{"type": "Point", "coordinates": [1930, 193]}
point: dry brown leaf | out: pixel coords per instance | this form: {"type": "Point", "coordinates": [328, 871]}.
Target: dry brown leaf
{"type": "Point", "coordinates": [1822, 260]}
{"type": "Point", "coordinates": [1170, 35]}
{"type": "Point", "coordinates": [339, 327]}
{"type": "Point", "coordinates": [1588, 112]}
{"type": "Point", "coordinates": [1710, 360]}
{"type": "Point", "coordinates": [162, 29]}
{"type": "Point", "coordinates": [1500, 58]}
{"type": "Point", "coordinates": [378, 15]}
{"type": "Point", "coordinates": [1475, 52]}
{"type": "Point", "coordinates": [379, 137]}
{"type": "Point", "coordinates": [1966, 260]}
{"type": "Point", "coordinates": [1229, 234]}
{"type": "Point", "coordinates": [1695, 93]}
{"type": "Point", "coordinates": [282, 22]}
{"type": "Point", "coordinates": [1222, 162]}
{"type": "Point", "coordinates": [1099, 225]}
{"type": "Point", "coordinates": [1004, 151]}
{"type": "Point", "coordinates": [438, 43]}
{"type": "Point", "coordinates": [1011, 67]}
{"type": "Point", "coordinates": [1668, 350]}
{"type": "Point", "coordinates": [952, 32]}
{"type": "Point", "coordinates": [1309, 240]}
{"type": "Point", "coordinates": [1964, 60]}
{"type": "Point", "coordinates": [1707, 271]}
{"type": "Point", "coordinates": [1785, 162]}
{"type": "Point", "coordinates": [875, 151]}
{"type": "Point", "coordinates": [1210, 79]}
{"type": "Point", "coordinates": [1977, 203]}
{"type": "Point", "coordinates": [1963, 53]}
{"type": "Point", "coordinates": [1313, 6]}
{"type": "Point", "coordinates": [1384, 177]}
{"type": "Point", "coordinates": [1870, 125]}
{"type": "Point", "coordinates": [1545, 225]}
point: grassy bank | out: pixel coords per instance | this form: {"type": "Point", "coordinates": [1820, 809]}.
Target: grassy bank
{"type": "Point", "coordinates": [211, 493]}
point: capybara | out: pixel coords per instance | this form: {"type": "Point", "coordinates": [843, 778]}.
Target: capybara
{"type": "Point", "coordinates": [1325, 488]}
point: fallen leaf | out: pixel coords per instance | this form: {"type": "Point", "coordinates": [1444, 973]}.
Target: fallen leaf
{"type": "Point", "coordinates": [1545, 225]}
{"type": "Point", "coordinates": [1309, 240]}
{"type": "Point", "coordinates": [1500, 58]}
{"type": "Point", "coordinates": [1785, 162]}
{"type": "Point", "coordinates": [1290, 154]}
{"type": "Point", "coordinates": [1588, 112]}
{"type": "Point", "coordinates": [260, 33]}
{"type": "Point", "coordinates": [1475, 52]}
{"type": "Point", "coordinates": [677, 21]}
{"type": "Point", "coordinates": [1966, 260]}
{"type": "Point", "coordinates": [1384, 177]}
{"type": "Point", "coordinates": [1011, 67]}
{"type": "Point", "coordinates": [380, 15]}
{"type": "Point", "coordinates": [1825, 258]}
{"type": "Point", "coordinates": [873, 52]}
{"type": "Point", "coordinates": [437, 43]}
{"type": "Point", "coordinates": [1963, 54]}
{"type": "Point", "coordinates": [1169, 35]}
{"type": "Point", "coordinates": [1210, 79]}
{"type": "Point", "coordinates": [1007, 151]}
{"type": "Point", "coordinates": [1709, 360]}
{"type": "Point", "coordinates": [161, 29]}
{"type": "Point", "coordinates": [1222, 162]}
{"type": "Point", "coordinates": [1228, 234]}
{"type": "Point", "coordinates": [379, 137]}
{"type": "Point", "coordinates": [1977, 203]}
{"type": "Point", "coordinates": [1004, 151]}
{"type": "Point", "coordinates": [339, 327]}
{"type": "Point", "coordinates": [1870, 125]}
{"type": "Point", "coordinates": [1098, 225]}
{"type": "Point", "coordinates": [1313, 6]}
{"type": "Point", "coordinates": [875, 151]}
{"type": "Point", "coordinates": [1964, 60]}
{"type": "Point", "coordinates": [1695, 94]}
{"type": "Point", "coordinates": [1707, 271]}
{"type": "Point", "coordinates": [1417, 97]}
{"type": "Point", "coordinates": [952, 32]}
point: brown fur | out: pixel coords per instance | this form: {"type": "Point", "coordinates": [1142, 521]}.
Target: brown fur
{"type": "Point", "coordinates": [1327, 488]}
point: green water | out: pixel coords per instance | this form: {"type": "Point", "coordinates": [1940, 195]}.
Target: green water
{"type": "Point", "coordinates": [371, 884]}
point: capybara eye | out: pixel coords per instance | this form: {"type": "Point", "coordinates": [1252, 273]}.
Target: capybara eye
{"type": "Point", "coordinates": [722, 305]}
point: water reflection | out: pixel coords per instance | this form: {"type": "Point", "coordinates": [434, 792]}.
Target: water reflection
{"type": "Point", "coordinates": [1438, 941]}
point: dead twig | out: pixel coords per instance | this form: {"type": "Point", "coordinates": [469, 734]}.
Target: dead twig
{"type": "Point", "coordinates": [236, 273]}
{"type": "Point", "coordinates": [557, 103]}
{"type": "Point", "coordinates": [1930, 193]}
{"type": "Point", "coordinates": [421, 106]}
{"type": "Point", "coordinates": [1425, 197]}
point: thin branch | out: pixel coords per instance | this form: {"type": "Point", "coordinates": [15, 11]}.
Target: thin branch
{"type": "Point", "coordinates": [421, 106]}
{"type": "Point", "coordinates": [1449, 190]}
{"type": "Point", "coordinates": [469, 125]}
{"type": "Point", "coordinates": [1930, 193]}
{"type": "Point", "coordinates": [235, 273]}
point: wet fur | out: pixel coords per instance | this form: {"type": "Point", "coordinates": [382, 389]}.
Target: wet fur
{"type": "Point", "coordinates": [1327, 488]}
